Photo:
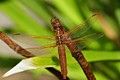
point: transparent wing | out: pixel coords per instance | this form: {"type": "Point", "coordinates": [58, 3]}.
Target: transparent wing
{"type": "Point", "coordinates": [41, 50]}
{"type": "Point", "coordinates": [82, 28]}
{"type": "Point", "coordinates": [30, 44]}
{"type": "Point", "coordinates": [85, 41]}
{"type": "Point", "coordinates": [25, 39]}
{"type": "Point", "coordinates": [30, 40]}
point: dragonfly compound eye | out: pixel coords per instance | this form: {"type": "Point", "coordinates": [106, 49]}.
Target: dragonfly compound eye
{"type": "Point", "coordinates": [56, 23]}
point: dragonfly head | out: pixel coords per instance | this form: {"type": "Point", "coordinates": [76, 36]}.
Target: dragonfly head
{"type": "Point", "coordinates": [56, 24]}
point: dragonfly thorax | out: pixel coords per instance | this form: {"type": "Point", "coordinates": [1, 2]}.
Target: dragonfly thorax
{"type": "Point", "coordinates": [60, 40]}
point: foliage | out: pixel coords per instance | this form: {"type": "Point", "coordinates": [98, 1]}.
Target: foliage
{"type": "Point", "coordinates": [33, 17]}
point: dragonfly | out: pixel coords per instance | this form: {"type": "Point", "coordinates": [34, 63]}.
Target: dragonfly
{"type": "Point", "coordinates": [70, 38]}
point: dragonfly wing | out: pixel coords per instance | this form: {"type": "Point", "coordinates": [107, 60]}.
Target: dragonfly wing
{"type": "Point", "coordinates": [38, 51]}
{"type": "Point", "coordinates": [85, 41]}
{"type": "Point", "coordinates": [30, 40]}
{"type": "Point", "coordinates": [82, 28]}
{"type": "Point", "coordinates": [41, 50]}
{"type": "Point", "coordinates": [26, 39]}
{"type": "Point", "coordinates": [30, 44]}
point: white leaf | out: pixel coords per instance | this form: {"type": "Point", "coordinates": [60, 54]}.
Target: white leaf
{"type": "Point", "coordinates": [22, 66]}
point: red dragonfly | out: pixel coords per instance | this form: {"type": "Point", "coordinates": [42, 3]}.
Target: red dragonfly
{"type": "Point", "coordinates": [69, 38]}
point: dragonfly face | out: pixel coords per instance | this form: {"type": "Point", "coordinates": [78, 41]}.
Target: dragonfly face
{"type": "Point", "coordinates": [57, 26]}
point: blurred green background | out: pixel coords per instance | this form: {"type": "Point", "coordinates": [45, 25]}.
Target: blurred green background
{"type": "Point", "coordinates": [33, 17]}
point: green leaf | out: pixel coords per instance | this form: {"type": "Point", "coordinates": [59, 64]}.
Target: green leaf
{"type": "Point", "coordinates": [53, 61]}
{"type": "Point", "coordinates": [117, 12]}
{"type": "Point", "coordinates": [68, 9]}
{"type": "Point", "coordinates": [93, 56]}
